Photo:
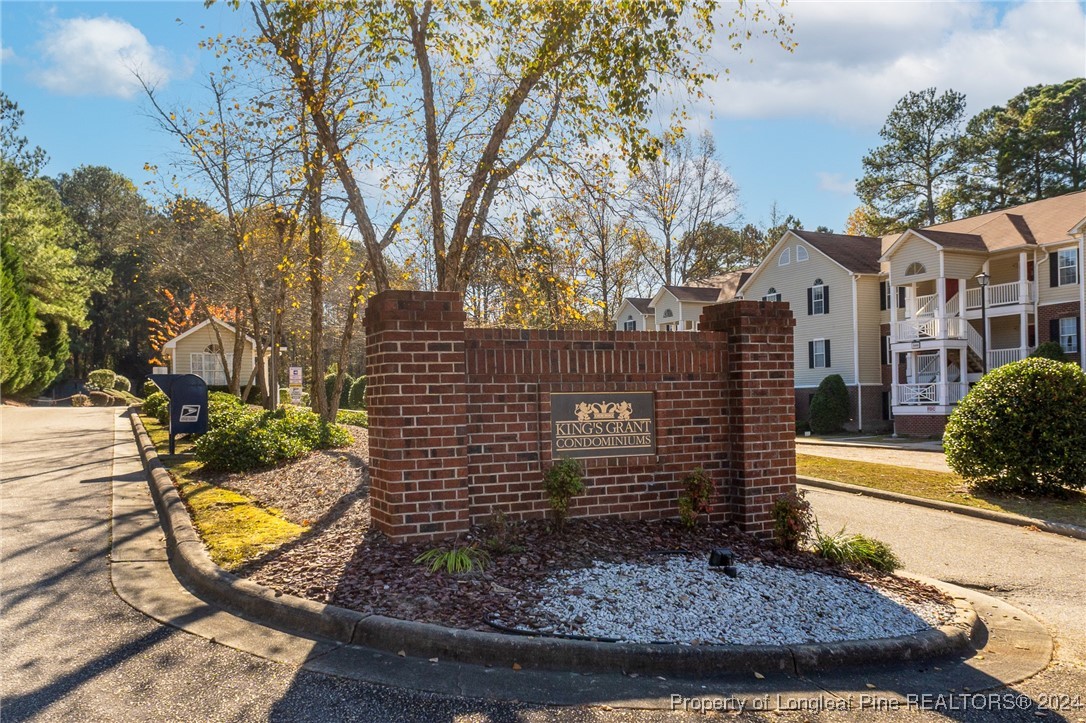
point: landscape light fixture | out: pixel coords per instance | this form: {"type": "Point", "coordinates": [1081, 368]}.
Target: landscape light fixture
{"type": "Point", "coordinates": [724, 558]}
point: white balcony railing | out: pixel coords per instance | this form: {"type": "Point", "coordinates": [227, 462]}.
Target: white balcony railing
{"type": "Point", "coordinates": [926, 305]}
{"type": "Point", "coordinates": [1000, 357]}
{"type": "Point", "coordinates": [929, 328]}
{"type": "Point", "coordinates": [1015, 292]}
{"type": "Point", "coordinates": [943, 393]}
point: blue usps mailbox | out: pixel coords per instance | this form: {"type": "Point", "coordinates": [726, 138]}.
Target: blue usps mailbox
{"type": "Point", "coordinates": [188, 403]}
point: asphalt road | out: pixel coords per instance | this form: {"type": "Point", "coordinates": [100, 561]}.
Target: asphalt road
{"type": "Point", "coordinates": [73, 651]}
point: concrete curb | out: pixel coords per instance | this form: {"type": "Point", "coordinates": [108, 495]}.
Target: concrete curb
{"type": "Point", "coordinates": [191, 563]}
{"type": "Point", "coordinates": [905, 447]}
{"type": "Point", "coordinates": [1056, 528]}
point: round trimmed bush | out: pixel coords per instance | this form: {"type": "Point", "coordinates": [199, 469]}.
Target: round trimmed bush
{"type": "Point", "coordinates": [357, 397]}
{"type": "Point", "coordinates": [829, 408]}
{"type": "Point", "coordinates": [157, 405]}
{"type": "Point", "coordinates": [1049, 350]}
{"type": "Point", "coordinates": [345, 393]}
{"type": "Point", "coordinates": [122, 384]}
{"type": "Point", "coordinates": [148, 388]}
{"type": "Point", "coordinates": [100, 399]}
{"type": "Point", "coordinates": [1020, 429]}
{"type": "Point", "coordinates": [101, 379]}
{"type": "Point", "coordinates": [248, 439]}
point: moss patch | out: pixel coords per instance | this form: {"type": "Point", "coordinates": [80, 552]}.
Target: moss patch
{"type": "Point", "coordinates": [234, 527]}
{"type": "Point", "coordinates": [944, 486]}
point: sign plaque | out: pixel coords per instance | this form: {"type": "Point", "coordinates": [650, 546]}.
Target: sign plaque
{"type": "Point", "coordinates": [602, 425]}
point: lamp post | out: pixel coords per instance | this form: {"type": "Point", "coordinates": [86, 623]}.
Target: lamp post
{"type": "Point", "coordinates": [983, 278]}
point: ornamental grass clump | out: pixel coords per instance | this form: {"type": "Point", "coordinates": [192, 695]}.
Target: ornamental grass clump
{"type": "Point", "coordinates": [861, 550]}
{"type": "Point", "coordinates": [455, 560]}
{"type": "Point", "coordinates": [1020, 429]}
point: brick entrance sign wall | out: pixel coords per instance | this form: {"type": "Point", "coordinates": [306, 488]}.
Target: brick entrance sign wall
{"type": "Point", "coordinates": [460, 419]}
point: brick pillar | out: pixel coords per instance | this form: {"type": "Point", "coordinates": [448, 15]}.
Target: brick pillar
{"type": "Point", "coordinates": [417, 413]}
{"type": "Point", "coordinates": [762, 405]}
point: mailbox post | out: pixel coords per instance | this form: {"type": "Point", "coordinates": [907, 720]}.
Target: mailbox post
{"type": "Point", "coordinates": [188, 403]}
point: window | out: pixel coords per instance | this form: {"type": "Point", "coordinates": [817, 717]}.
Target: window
{"type": "Point", "coordinates": [629, 324]}
{"type": "Point", "coordinates": [668, 313]}
{"type": "Point", "coordinates": [801, 254]}
{"type": "Point", "coordinates": [1067, 329]}
{"type": "Point", "coordinates": [688, 325]}
{"type": "Point", "coordinates": [786, 258]}
{"type": "Point", "coordinates": [818, 354]}
{"type": "Point", "coordinates": [208, 365]}
{"type": "Point", "coordinates": [1065, 267]}
{"type": "Point", "coordinates": [884, 296]}
{"type": "Point", "coordinates": [915, 269]}
{"type": "Point", "coordinates": [818, 299]}
{"type": "Point", "coordinates": [885, 354]}
{"type": "Point", "coordinates": [772, 295]}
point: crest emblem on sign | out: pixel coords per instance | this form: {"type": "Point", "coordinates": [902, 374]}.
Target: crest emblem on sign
{"type": "Point", "coordinates": [603, 410]}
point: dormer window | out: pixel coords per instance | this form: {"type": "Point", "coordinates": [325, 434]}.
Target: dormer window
{"type": "Point", "coordinates": [668, 313]}
{"type": "Point", "coordinates": [786, 258]}
{"type": "Point", "coordinates": [630, 324]}
{"type": "Point", "coordinates": [772, 295]}
{"type": "Point", "coordinates": [915, 269]}
{"type": "Point", "coordinates": [801, 254]}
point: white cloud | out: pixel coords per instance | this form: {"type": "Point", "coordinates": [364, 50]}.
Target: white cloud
{"type": "Point", "coordinates": [99, 56]}
{"type": "Point", "coordinates": [6, 54]}
{"type": "Point", "coordinates": [855, 60]}
{"type": "Point", "coordinates": [835, 183]}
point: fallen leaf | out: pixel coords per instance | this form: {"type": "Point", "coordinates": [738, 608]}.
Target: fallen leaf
{"type": "Point", "coordinates": [516, 666]}
{"type": "Point", "coordinates": [402, 654]}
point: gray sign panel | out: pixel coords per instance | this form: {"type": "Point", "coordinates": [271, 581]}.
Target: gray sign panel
{"type": "Point", "coordinates": [602, 425]}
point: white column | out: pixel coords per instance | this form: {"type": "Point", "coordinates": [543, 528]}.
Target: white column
{"type": "Point", "coordinates": [942, 376]}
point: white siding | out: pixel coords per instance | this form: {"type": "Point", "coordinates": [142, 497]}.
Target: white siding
{"type": "Point", "coordinates": [198, 341]}
{"type": "Point", "coordinates": [1055, 294]}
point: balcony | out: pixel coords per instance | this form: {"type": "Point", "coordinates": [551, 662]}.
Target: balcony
{"type": "Point", "coordinates": [928, 328]}
{"type": "Point", "coordinates": [1001, 357]}
{"type": "Point", "coordinates": [1015, 292]}
{"type": "Point", "coordinates": [934, 393]}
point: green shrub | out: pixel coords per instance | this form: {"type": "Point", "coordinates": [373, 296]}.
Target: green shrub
{"type": "Point", "coordinates": [80, 400]}
{"type": "Point", "coordinates": [694, 500]}
{"type": "Point", "coordinates": [148, 388]}
{"type": "Point", "coordinates": [223, 408]}
{"type": "Point", "coordinates": [562, 482]}
{"type": "Point", "coordinates": [1020, 429]}
{"type": "Point", "coordinates": [357, 398]}
{"type": "Point", "coordinates": [101, 399]}
{"type": "Point", "coordinates": [792, 520]}
{"type": "Point", "coordinates": [456, 559]}
{"type": "Point", "coordinates": [122, 384]}
{"type": "Point", "coordinates": [353, 417]}
{"type": "Point", "coordinates": [249, 439]}
{"type": "Point", "coordinates": [345, 393]}
{"type": "Point", "coordinates": [829, 408]}
{"type": "Point", "coordinates": [157, 405]}
{"type": "Point", "coordinates": [845, 549]}
{"type": "Point", "coordinates": [101, 379]}
{"type": "Point", "coordinates": [1049, 350]}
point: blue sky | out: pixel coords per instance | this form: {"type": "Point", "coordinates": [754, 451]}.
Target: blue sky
{"type": "Point", "coordinates": [791, 128]}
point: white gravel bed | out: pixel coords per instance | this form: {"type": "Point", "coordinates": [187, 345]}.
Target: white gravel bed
{"type": "Point", "coordinates": [682, 600]}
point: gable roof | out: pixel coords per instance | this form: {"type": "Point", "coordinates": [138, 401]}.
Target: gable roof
{"type": "Point", "coordinates": [858, 254]}
{"type": "Point", "coordinates": [172, 343]}
{"type": "Point", "coordinates": [698, 294]}
{"type": "Point", "coordinates": [642, 306]}
{"type": "Point", "coordinates": [1046, 221]}
{"type": "Point", "coordinates": [729, 283]}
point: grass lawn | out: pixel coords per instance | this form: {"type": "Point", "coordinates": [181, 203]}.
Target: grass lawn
{"type": "Point", "coordinates": [234, 527]}
{"type": "Point", "coordinates": [945, 486]}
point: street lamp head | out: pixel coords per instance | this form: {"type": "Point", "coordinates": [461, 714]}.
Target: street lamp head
{"type": "Point", "coordinates": [982, 278]}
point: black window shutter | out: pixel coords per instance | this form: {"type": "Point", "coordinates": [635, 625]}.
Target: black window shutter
{"type": "Point", "coordinates": [825, 299]}
{"type": "Point", "coordinates": [810, 301]}
{"type": "Point", "coordinates": [827, 343]}
{"type": "Point", "coordinates": [883, 356]}
{"type": "Point", "coordinates": [1078, 331]}
{"type": "Point", "coordinates": [810, 353]}
{"type": "Point", "coordinates": [882, 296]}
{"type": "Point", "coordinates": [901, 297]}
{"type": "Point", "coordinates": [1053, 269]}
{"type": "Point", "coordinates": [1054, 330]}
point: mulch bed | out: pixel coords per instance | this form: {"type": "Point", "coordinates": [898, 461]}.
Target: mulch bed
{"type": "Point", "coordinates": [343, 562]}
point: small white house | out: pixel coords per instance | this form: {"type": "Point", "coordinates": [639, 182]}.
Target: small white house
{"type": "Point", "coordinates": [196, 351]}
{"type": "Point", "coordinates": [635, 314]}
